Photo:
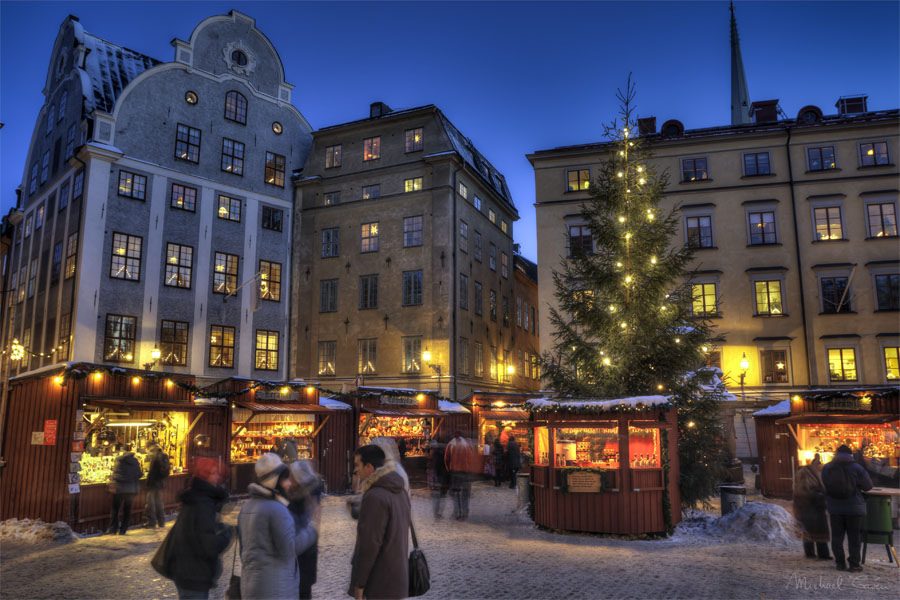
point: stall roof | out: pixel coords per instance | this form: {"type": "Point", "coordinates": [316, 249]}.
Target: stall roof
{"type": "Point", "coordinates": [280, 407]}
{"type": "Point", "coordinates": [596, 405]}
{"type": "Point", "coordinates": [329, 402]}
{"type": "Point", "coordinates": [147, 404]}
{"type": "Point", "coordinates": [513, 414]}
{"type": "Point", "coordinates": [404, 412]}
{"type": "Point", "coordinates": [781, 409]}
{"type": "Point", "coordinates": [368, 389]}
{"type": "Point", "coordinates": [834, 419]}
{"type": "Point", "coordinates": [452, 407]}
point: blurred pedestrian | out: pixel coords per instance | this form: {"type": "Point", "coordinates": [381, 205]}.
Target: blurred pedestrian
{"type": "Point", "coordinates": [513, 460]}
{"type": "Point", "coordinates": [845, 480]}
{"type": "Point", "coordinates": [440, 478]}
{"type": "Point", "coordinates": [198, 535]}
{"type": "Point", "coordinates": [157, 473]}
{"type": "Point", "coordinates": [124, 484]}
{"type": "Point", "coordinates": [379, 567]}
{"type": "Point", "coordinates": [305, 497]}
{"type": "Point", "coordinates": [809, 509]}
{"type": "Point", "coordinates": [499, 461]}
{"type": "Point", "coordinates": [460, 458]}
{"type": "Point", "coordinates": [270, 541]}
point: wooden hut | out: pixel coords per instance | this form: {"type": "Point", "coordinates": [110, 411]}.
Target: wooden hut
{"type": "Point", "coordinates": [776, 448]}
{"type": "Point", "coordinates": [606, 466]}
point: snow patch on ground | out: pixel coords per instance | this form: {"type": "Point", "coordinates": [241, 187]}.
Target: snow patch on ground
{"type": "Point", "coordinates": [753, 522]}
{"type": "Point", "coordinates": [36, 531]}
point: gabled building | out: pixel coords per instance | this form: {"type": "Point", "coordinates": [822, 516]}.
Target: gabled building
{"type": "Point", "coordinates": [406, 241]}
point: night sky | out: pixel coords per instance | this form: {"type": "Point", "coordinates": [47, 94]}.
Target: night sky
{"type": "Point", "coordinates": [514, 77]}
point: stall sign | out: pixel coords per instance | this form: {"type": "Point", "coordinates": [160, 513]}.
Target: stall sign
{"type": "Point", "coordinates": [828, 404]}
{"type": "Point", "coordinates": [399, 400]}
{"type": "Point", "coordinates": [74, 488]}
{"type": "Point", "coordinates": [292, 396]}
{"type": "Point", "coordinates": [51, 426]}
{"type": "Point", "coordinates": [76, 456]}
{"type": "Point", "coordinates": [78, 446]}
{"type": "Point", "coordinates": [583, 481]}
{"type": "Point", "coordinates": [37, 438]}
{"type": "Point", "coordinates": [74, 478]}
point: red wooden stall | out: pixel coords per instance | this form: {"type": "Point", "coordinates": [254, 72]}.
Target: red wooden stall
{"type": "Point", "coordinates": [775, 446]}
{"type": "Point", "coordinates": [606, 466]}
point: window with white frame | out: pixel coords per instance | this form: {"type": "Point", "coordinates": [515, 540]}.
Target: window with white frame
{"type": "Point", "coordinates": [492, 216]}
{"type": "Point", "coordinates": [463, 190]}
{"type": "Point", "coordinates": [476, 202]}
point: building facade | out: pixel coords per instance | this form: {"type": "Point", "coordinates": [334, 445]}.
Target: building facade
{"type": "Point", "coordinates": [156, 207]}
{"type": "Point", "coordinates": [406, 243]}
{"type": "Point", "coordinates": [794, 226]}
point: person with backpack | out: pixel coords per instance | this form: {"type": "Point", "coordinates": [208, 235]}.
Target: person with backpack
{"type": "Point", "coordinates": [809, 509]}
{"type": "Point", "coordinates": [845, 480]}
{"type": "Point", "coordinates": [124, 485]}
{"type": "Point", "coordinates": [157, 473]}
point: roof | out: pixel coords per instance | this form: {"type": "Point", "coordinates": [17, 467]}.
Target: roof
{"type": "Point", "coordinates": [527, 267]}
{"type": "Point", "coordinates": [835, 418]}
{"type": "Point", "coordinates": [403, 412]}
{"type": "Point", "coordinates": [280, 407]}
{"type": "Point", "coordinates": [108, 69]}
{"type": "Point", "coordinates": [598, 406]}
{"type": "Point", "coordinates": [499, 414]}
{"type": "Point", "coordinates": [452, 407]}
{"type": "Point", "coordinates": [782, 409]}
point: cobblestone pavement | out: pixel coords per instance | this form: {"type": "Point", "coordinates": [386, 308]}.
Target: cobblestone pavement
{"type": "Point", "coordinates": [497, 553]}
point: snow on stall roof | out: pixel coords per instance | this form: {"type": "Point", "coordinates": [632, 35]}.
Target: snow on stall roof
{"type": "Point", "coordinates": [452, 407]}
{"type": "Point", "coordinates": [600, 405]}
{"type": "Point", "coordinates": [109, 68]}
{"type": "Point", "coordinates": [781, 409]}
{"type": "Point", "coordinates": [393, 390]}
{"type": "Point", "coordinates": [329, 402]}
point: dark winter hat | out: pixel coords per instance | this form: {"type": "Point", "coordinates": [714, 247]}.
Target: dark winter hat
{"type": "Point", "coordinates": [844, 449]}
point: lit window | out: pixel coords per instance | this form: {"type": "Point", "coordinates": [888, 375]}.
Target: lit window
{"type": "Point", "coordinates": [882, 219]}
{"type": "Point", "coordinates": [270, 280]}
{"type": "Point", "coordinates": [504, 226]}
{"type": "Point", "coordinates": [71, 255]}
{"type": "Point", "coordinates": [768, 297]}
{"type": "Point", "coordinates": [125, 262]}
{"type": "Point", "coordinates": [756, 163]}
{"type": "Point", "coordinates": [370, 192]}
{"type": "Point", "coordinates": [187, 143]}
{"type": "Point", "coordinates": [367, 354]}
{"type": "Point", "coordinates": [221, 346]}
{"type": "Point", "coordinates": [476, 202]}
{"type": "Point", "coordinates": [333, 156]}
{"type": "Point", "coordinates": [232, 156]}
{"type": "Point", "coordinates": [414, 140]}
{"type": "Point", "coordinates": [266, 350]}
{"type": "Point", "coordinates": [132, 185]}
{"type": "Point", "coordinates": [828, 223]}
{"type": "Point", "coordinates": [762, 228]}
{"type": "Point", "coordinates": [65, 337]}
{"type": "Point", "coordinates": [492, 216]}
{"type": "Point", "coordinates": [272, 218]}
{"type": "Point", "coordinates": [873, 154]}
{"type": "Point", "coordinates": [274, 169]}
{"type": "Point", "coordinates": [412, 185]}
{"type": "Point", "coordinates": [229, 208]}
{"type": "Point", "coordinates": [774, 366]}
{"type": "Point", "coordinates": [578, 179]}
{"type": "Point", "coordinates": [368, 292]}
{"type": "Point", "coordinates": [236, 107]}
{"type": "Point", "coordinates": [118, 341]}
{"type": "Point", "coordinates": [331, 198]}
{"type": "Point", "coordinates": [173, 341]}
{"type": "Point", "coordinates": [225, 273]}
{"type": "Point", "coordinates": [842, 364]}
{"type": "Point", "coordinates": [372, 148]}
{"type": "Point", "coordinates": [699, 232]}
{"type": "Point", "coordinates": [184, 197]}
{"type": "Point", "coordinates": [694, 169]}
{"type": "Point", "coordinates": [327, 357]}
{"type": "Point", "coordinates": [368, 237]}
{"type": "Point", "coordinates": [191, 97]}
{"type": "Point", "coordinates": [463, 190]}
{"type": "Point", "coordinates": [412, 354]}
{"type": "Point", "coordinates": [179, 263]}
{"type": "Point", "coordinates": [887, 291]}
{"type": "Point", "coordinates": [821, 158]}
{"type": "Point", "coordinates": [412, 288]}
{"type": "Point", "coordinates": [703, 299]}
{"type": "Point", "coordinates": [892, 362]}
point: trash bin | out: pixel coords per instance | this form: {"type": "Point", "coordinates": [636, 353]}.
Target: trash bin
{"type": "Point", "coordinates": [732, 497]}
{"type": "Point", "coordinates": [523, 483]}
{"type": "Point", "coordinates": [878, 528]}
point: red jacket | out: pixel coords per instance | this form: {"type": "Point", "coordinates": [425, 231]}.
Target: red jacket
{"type": "Point", "coordinates": [459, 455]}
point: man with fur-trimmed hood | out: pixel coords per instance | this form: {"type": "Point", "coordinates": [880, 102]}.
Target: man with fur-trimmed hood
{"type": "Point", "coordinates": [380, 568]}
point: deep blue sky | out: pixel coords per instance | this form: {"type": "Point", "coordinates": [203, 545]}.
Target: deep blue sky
{"type": "Point", "coordinates": [514, 77]}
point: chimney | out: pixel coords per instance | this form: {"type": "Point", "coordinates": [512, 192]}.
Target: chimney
{"type": "Point", "coordinates": [379, 109]}
{"type": "Point", "coordinates": [647, 126]}
{"type": "Point", "coordinates": [764, 111]}
{"type": "Point", "coordinates": [852, 105]}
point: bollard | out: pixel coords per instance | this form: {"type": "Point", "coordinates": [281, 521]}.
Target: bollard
{"type": "Point", "coordinates": [523, 482]}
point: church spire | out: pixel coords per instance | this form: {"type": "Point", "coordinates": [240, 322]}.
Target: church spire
{"type": "Point", "coordinates": [740, 95]}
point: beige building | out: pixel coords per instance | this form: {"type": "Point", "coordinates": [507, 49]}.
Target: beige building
{"type": "Point", "coordinates": [405, 267]}
{"type": "Point", "coordinates": [795, 230]}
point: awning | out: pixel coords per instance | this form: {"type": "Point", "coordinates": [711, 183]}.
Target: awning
{"type": "Point", "coordinates": [836, 419]}
{"type": "Point", "coordinates": [281, 407]}
{"type": "Point", "coordinates": [404, 412]}
{"type": "Point", "coordinates": [504, 415]}
{"type": "Point", "coordinates": [147, 404]}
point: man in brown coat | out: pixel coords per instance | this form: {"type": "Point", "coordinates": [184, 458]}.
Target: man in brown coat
{"type": "Point", "coordinates": [380, 567]}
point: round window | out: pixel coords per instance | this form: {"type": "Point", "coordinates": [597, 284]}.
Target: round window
{"type": "Point", "coordinates": [191, 97]}
{"type": "Point", "coordinates": [277, 128]}
{"type": "Point", "coordinates": [239, 58]}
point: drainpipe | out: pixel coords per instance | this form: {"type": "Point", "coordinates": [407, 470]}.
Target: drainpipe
{"type": "Point", "coordinates": [454, 289]}
{"type": "Point", "coordinates": [803, 317]}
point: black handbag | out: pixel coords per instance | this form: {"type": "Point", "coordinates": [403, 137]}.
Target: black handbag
{"type": "Point", "coordinates": [163, 556]}
{"type": "Point", "coordinates": [419, 576]}
{"type": "Point", "coordinates": [234, 583]}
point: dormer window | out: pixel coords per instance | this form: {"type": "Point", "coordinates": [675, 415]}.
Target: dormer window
{"type": "Point", "coordinates": [236, 105]}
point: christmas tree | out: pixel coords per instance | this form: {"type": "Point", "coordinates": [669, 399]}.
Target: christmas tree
{"type": "Point", "coordinates": [625, 323]}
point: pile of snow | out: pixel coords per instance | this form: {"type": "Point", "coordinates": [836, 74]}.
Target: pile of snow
{"type": "Point", "coordinates": [753, 522]}
{"type": "Point", "coordinates": [35, 531]}
{"type": "Point", "coordinates": [783, 408]}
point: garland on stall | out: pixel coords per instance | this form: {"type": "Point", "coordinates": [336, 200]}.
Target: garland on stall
{"type": "Point", "coordinates": [666, 501]}
{"type": "Point", "coordinates": [591, 408]}
{"type": "Point", "coordinates": [850, 394]}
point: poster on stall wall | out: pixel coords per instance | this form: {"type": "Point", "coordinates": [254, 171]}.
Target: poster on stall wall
{"type": "Point", "coordinates": [74, 467]}
{"type": "Point", "coordinates": [74, 478]}
{"type": "Point", "coordinates": [74, 488]}
{"type": "Point", "coordinates": [78, 445]}
{"type": "Point", "coordinates": [76, 457]}
{"type": "Point", "coordinates": [51, 426]}
{"type": "Point", "coordinates": [37, 438]}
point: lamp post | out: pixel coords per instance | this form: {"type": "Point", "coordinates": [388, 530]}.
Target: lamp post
{"type": "Point", "coordinates": [436, 367]}
{"type": "Point", "coordinates": [745, 365]}
{"type": "Point", "coordinates": [155, 354]}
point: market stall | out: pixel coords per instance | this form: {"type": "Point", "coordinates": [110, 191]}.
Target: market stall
{"type": "Point", "coordinates": [866, 420]}
{"type": "Point", "coordinates": [605, 466]}
{"type": "Point", "coordinates": [775, 448]}
{"type": "Point", "coordinates": [67, 426]}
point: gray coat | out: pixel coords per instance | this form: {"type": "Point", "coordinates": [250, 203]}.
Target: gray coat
{"type": "Point", "coordinates": [127, 475]}
{"type": "Point", "coordinates": [270, 544]}
{"type": "Point", "coordinates": [855, 505]}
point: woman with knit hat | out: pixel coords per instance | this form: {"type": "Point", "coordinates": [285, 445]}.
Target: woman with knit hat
{"type": "Point", "coordinates": [305, 497]}
{"type": "Point", "coordinates": [270, 542]}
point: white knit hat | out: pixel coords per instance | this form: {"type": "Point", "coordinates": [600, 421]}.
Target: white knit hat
{"type": "Point", "coordinates": [268, 468]}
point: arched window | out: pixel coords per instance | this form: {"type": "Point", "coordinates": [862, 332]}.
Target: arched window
{"type": "Point", "coordinates": [236, 107]}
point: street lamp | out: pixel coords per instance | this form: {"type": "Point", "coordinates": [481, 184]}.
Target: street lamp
{"type": "Point", "coordinates": [745, 365]}
{"type": "Point", "coordinates": [155, 354]}
{"type": "Point", "coordinates": [436, 367]}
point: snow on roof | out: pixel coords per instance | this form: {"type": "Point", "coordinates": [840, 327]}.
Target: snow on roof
{"type": "Point", "coordinates": [635, 402]}
{"type": "Point", "coordinates": [109, 67]}
{"type": "Point", "coordinates": [329, 402]}
{"type": "Point", "coordinates": [713, 376]}
{"type": "Point", "coordinates": [392, 390]}
{"type": "Point", "coordinates": [451, 407]}
{"type": "Point", "coordinates": [781, 409]}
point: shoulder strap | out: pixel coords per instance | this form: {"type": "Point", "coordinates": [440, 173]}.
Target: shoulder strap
{"type": "Point", "coordinates": [237, 548]}
{"type": "Point", "coordinates": [412, 530]}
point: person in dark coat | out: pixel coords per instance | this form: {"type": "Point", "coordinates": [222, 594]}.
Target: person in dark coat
{"type": "Point", "coordinates": [126, 478]}
{"type": "Point", "coordinates": [845, 480]}
{"type": "Point", "coordinates": [305, 497]}
{"type": "Point", "coordinates": [198, 537]}
{"type": "Point", "coordinates": [440, 478]}
{"type": "Point", "coordinates": [157, 473]}
{"type": "Point", "coordinates": [513, 460]}
{"type": "Point", "coordinates": [809, 509]}
{"type": "Point", "coordinates": [380, 567]}
{"type": "Point", "coordinates": [499, 462]}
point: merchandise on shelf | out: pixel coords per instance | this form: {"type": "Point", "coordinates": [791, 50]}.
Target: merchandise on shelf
{"type": "Point", "coordinates": [415, 431]}
{"type": "Point", "coordinates": [594, 447]}
{"type": "Point", "coordinates": [271, 435]}
{"type": "Point", "coordinates": [879, 443]}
